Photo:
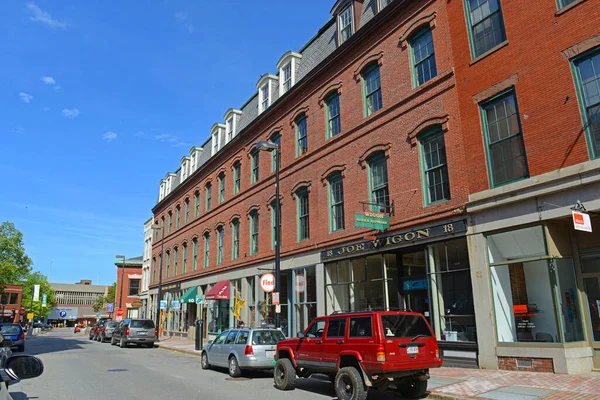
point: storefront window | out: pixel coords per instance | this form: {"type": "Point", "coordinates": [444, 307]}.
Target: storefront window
{"type": "Point", "coordinates": [218, 315]}
{"type": "Point", "coordinates": [251, 303]}
{"type": "Point", "coordinates": [266, 308]}
{"type": "Point", "coordinates": [305, 291]}
{"type": "Point", "coordinates": [451, 291]}
{"type": "Point", "coordinates": [529, 295]}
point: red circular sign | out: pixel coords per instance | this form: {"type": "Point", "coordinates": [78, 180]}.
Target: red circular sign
{"type": "Point", "coordinates": [120, 312]}
{"type": "Point", "coordinates": [22, 311]}
{"type": "Point", "coordinates": [267, 283]}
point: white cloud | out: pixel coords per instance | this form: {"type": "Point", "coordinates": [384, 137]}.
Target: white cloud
{"type": "Point", "coordinates": [56, 88]}
{"type": "Point", "coordinates": [25, 97]}
{"type": "Point", "coordinates": [48, 80]}
{"type": "Point", "coordinates": [109, 136]}
{"type": "Point", "coordinates": [70, 113]}
{"type": "Point", "coordinates": [38, 15]}
{"type": "Point", "coordinates": [183, 18]}
{"type": "Point", "coordinates": [172, 139]}
{"type": "Point", "coordinates": [140, 133]}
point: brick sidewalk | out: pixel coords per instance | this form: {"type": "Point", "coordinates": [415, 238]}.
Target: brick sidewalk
{"type": "Point", "coordinates": [458, 383]}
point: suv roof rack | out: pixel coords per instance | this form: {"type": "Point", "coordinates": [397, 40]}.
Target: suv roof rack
{"type": "Point", "coordinates": [371, 309]}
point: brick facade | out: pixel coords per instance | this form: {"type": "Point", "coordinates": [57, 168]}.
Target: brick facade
{"type": "Point", "coordinates": [406, 112]}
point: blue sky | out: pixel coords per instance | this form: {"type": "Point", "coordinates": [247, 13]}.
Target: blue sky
{"type": "Point", "coordinates": [99, 100]}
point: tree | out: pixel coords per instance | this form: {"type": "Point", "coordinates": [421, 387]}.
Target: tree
{"type": "Point", "coordinates": [14, 262]}
{"type": "Point", "coordinates": [101, 302]}
{"type": "Point", "coordinates": [37, 278]}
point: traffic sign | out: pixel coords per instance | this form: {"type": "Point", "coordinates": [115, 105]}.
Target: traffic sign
{"type": "Point", "coordinates": [120, 312]}
{"type": "Point", "coordinates": [275, 298]}
{"type": "Point", "coordinates": [30, 315]}
{"type": "Point", "coordinates": [22, 311]}
{"type": "Point", "coordinates": [62, 314]}
{"type": "Point", "coordinates": [109, 307]}
{"type": "Point", "coordinates": [119, 318]}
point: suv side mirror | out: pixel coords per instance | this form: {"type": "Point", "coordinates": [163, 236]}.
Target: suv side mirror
{"type": "Point", "coordinates": [24, 367]}
{"type": "Point", "coordinates": [6, 343]}
{"type": "Point", "coordinates": [300, 335]}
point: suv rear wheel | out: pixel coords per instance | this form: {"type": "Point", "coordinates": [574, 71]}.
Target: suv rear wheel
{"type": "Point", "coordinates": [349, 385]}
{"type": "Point", "coordinates": [284, 374]}
{"type": "Point", "coordinates": [414, 389]}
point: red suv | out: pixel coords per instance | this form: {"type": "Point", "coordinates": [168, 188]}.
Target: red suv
{"type": "Point", "coordinates": [386, 350]}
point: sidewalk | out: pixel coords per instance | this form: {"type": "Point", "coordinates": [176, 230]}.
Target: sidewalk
{"type": "Point", "coordinates": [458, 383]}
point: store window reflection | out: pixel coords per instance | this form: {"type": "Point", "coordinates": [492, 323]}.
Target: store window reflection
{"type": "Point", "coordinates": [305, 292]}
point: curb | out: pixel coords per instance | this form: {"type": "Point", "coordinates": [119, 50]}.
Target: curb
{"type": "Point", "coordinates": [443, 396]}
{"type": "Point", "coordinates": [183, 351]}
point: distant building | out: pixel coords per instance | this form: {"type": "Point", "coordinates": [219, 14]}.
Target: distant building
{"type": "Point", "coordinates": [10, 303]}
{"type": "Point", "coordinates": [146, 268]}
{"type": "Point", "coordinates": [129, 279]}
{"type": "Point", "coordinates": [74, 302]}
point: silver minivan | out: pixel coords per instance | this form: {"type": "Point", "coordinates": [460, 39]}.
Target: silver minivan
{"type": "Point", "coordinates": [242, 349]}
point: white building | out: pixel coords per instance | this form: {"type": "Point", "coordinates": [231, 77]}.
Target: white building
{"type": "Point", "coordinates": [144, 312]}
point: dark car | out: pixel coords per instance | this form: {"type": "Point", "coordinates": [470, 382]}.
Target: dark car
{"type": "Point", "coordinates": [15, 333]}
{"type": "Point", "coordinates": [387, 350]}
{"type": "Point", "coordinates": [95, 329]}
{"type": "Point", "coordinates": [137, 331]}
{"type": "Point", "coordinates": [107, 331]}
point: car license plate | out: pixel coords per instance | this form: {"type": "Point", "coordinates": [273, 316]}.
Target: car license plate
{"type": "Point", "coordinates": [141, 333]}
{"type": "Point", "coordinates": [270, 353]}
{"type": "Point", "coordinates": [412, 350]}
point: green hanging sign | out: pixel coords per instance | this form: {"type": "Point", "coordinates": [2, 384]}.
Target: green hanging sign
{"type": "Point", "coordinates": [372, 220]}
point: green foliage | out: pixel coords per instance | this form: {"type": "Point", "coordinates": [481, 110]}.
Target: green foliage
{"type": "Point", "coordinates": [101, 302]}
{"type": "Point", "coordinates": [37, 278]}
{"type": "Point", "coordinates": [14, 263]}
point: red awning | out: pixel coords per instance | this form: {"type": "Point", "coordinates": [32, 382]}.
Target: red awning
{"type": "Point", "coordinates": [218, 292]}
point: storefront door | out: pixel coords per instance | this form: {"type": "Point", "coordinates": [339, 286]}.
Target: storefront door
{"type": "Point", "coordinates": [590, 266]}
{"type": "Point", "coordinates": [412, 278]}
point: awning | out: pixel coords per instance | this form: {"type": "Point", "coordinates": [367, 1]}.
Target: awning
{"type": "Point", "coordinates": [219, 292]}
{"type": "Point", "coordinates": [190, 295]}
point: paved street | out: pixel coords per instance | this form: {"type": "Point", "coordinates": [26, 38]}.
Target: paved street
{"type": "Point", "coordinates": [76, 368]}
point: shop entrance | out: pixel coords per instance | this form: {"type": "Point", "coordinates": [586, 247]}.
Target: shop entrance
{"type": "Point", "coordinates": [413, 292]}
{"type": "Point", "coordinates": [590, 267]}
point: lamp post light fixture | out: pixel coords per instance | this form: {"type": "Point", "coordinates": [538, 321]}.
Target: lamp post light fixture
{"type": "Point", "coordinates": [269, 146]}
{"type": "Point", "coordinates": [160, 269]}
{"type": "Point", "coordinates": [122, 277]}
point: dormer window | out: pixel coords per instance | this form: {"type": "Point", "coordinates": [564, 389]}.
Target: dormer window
{"type": "Point", "coordinates": [185, 167]}
{"type": "Point", "coordinates": [265, 91]}
{"type": "Point", "coordinates": [232, 118]}
{"type": "Point", "coordinates": [218, 137]}
{"type": "Point", "coordinates": [287, 66]}
{"type": "Point", "coordinates": [345, 24]}
{"type": "Point", "coordinates": [229, 130]}
{"type": "Point", "coordinates": [383, 3]}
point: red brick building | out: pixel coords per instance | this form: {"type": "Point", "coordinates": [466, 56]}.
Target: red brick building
{"type": "Point", "coordinates": [440, 115]}
{"type": "Point", "coordinates": [10, 300]}
{"type": "Point", "coordinates": [129, 276]}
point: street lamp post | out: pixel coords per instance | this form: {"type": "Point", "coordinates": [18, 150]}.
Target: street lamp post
{"type": "Point", "coordinates": [160, 268]}
{"type": "Point", "coordinates": [270, 146]}
{"type": "Point", "coordinates": [122, 277]}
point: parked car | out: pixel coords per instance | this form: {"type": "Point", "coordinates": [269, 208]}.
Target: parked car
{"type": "Point", "coordinates": [95, 329]}
{"type": "Point", "coordinates": [387, 350]}
{"type": "Point", "coordinates": [5, 351]}
{"type": "Point", "coordinates": [107, 331]}
{"type": "Point", "coordinates": [15, 368]}
{"type": "Point", "coordinates": [242, 349]}
{"type": "Point", "coordinates": [137, 331]}
{"type": "Point", "coordinates": [76, 329]}
{"type": "Point", "coordinates": [15, 333]}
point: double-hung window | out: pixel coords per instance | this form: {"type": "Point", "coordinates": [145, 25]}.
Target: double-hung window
{"type": "Point", "coordinates": [229, 130]}
{"type": "Point", "coordinates": [378, 181]}
{"type": "Point", "coordinates": [170, 221]}
{"type": "Point", "coordinates": [265, 97]}
{"type": "Point", "coordinates": [486, 25]}
{"type": "Point", "coordinates": [177, 216]}
{"type": "Point", "coordinates": [588, 81]}
{"type": "Point", "coordinates": [184, 258]}
{"type": "Point", "coordinates": [372, 89]}
{"type": "Point", "coordinates": [345, 24]}
{"type": "Point", "coordinates": [336, 202]}
{"type": "Point", "coordinates": [435, 167]}
{"type": "Point", "coordinates": [206, 249]}
{"type": "Point", "coordinates": [220, 238]}
{"type": "Point", "coordinates": [303, 220]}
{"type": "Point", "coordinates": [168, 259]}
{"type": "Point", "coordinates": [236, 177]}
{"type": "Point", "coordinates": [235, 238]}
{"type": "Point", "coordinates": [276, 154]}
{"type": "Point", "coordinates": [196, 204]}
{"type": "Point", "coordinates": [301, 136]}
{"type": "Point", "coordinates": [504, 140]}
{"type": "Point", "coordinates": [187, 211]}
{"type": "Point", "coordinates": [208, 201]}
{"type": "Point", "coordinates": [175, 260]}
{"type": "Point", "coordinates": [253, 232]}
{"type": "Point", "coordinates": [287, 77]}
{"type": "Point", "coordinates": [334, 123]}
{"type": "Point", "coordinates": [383, 3]}
{"type": "Point", "coordinates": [221, 188]}
{"type": "Point", "coordinates": [564, 3]}
{"type": "Point", "coordinates": [153, 270]}
{"type": "Point", "coordinates": [194, 253]}
{"type": "Point", "coordinates": [423, 57]}
{"type": "Point", "coordinates": [255, 164]}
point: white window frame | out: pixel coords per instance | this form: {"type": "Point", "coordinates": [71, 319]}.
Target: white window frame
{"type": "Point", "coordinates": [289, 59]}
{"type": "Point", "coordinates": [218, 137]}
{"type": "Point", "coordinates": [339, 19]}
{"type": "Point", "coordinates": [382, 4]}
{"type": "Point", "coordinates": [262, 100]}
{"type": "Point", "coordinates": [229, 129]}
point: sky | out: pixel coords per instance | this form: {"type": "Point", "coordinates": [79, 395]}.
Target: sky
{"type": "Point", "coordinates": [100, 99]}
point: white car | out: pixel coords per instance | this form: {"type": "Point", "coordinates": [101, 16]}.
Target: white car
{"type": "Point", "coordinates": [16, 368]}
